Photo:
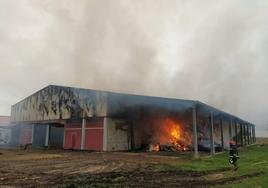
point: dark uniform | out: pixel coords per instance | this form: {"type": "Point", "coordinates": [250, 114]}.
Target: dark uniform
{"type": "Point", "coordinates": [233, 156]}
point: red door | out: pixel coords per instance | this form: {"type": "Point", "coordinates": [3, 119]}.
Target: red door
{"type": "Point", "coordinates": [94, 135]}
{"type": "Point", "coordinates": [73, 140]}
{"type": "Point", "coordinates": [94, 139]}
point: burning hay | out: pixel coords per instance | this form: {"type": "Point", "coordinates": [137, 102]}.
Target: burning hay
{"type": "Point", "coordinates": [170, 136]}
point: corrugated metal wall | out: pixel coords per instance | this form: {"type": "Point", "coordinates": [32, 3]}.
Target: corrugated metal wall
{"type": "Point", "coordinates": [55, 103]}
{"type": "Point", "coordinates": [39, 135]}
{"type": "Point", "coordinates": [56, 136]}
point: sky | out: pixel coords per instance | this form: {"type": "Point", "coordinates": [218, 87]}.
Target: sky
{"type": "Point", "coordinates": [211, 50]}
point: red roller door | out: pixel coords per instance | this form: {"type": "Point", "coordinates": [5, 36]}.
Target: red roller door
{"type": "Point", "coordinates": [94, 135]}
{"type": "Point", "coordinates": [73, 134]}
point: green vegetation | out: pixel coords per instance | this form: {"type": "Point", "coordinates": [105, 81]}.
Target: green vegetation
{"type": "Point", "coordinates": [252, 172]}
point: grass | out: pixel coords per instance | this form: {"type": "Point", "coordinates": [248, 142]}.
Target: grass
{"type": "Point", "coordinates": [253, 159]}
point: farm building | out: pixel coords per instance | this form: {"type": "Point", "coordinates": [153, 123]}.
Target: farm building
{"type": "Point", "coordinates": [74, 118]}
{"type": "Point", "coordinates": [5, 130]}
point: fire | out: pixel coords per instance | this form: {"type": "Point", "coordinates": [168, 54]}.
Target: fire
{"type": "Point", "coordinates": [174, 129]}
{"type": "Point", "coordinates": [155, 147]}
{"type": "Point", "coordinates": [172, 136]}
{"type": "Point", "coordinates": [175, 133]}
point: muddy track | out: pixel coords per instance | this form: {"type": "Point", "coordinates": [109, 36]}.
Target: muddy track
{"type": "Point", "coordinates": [149, 178]}
{"type": "Point", "coordinates": [43, 168]}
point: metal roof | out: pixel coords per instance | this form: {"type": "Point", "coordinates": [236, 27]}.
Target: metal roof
{"type": "Point", "coordinates": [118, 102]}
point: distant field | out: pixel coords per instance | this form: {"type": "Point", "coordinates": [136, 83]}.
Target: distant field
{"type": "Point", "coordinates": [262, 140]}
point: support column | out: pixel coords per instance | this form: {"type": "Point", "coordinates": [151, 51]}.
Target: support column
{"type": "Point", "coordinates": [63, 143]}
{"type": "Point", "coordinates": [212, 148]}
{"type": "Point", "coordinates": [241, 134]}
{"type": "Point", "coordinates": [248, 134]}
{"type": "Point", "coordinates": [195, 133]}
{"type": "Point", "coordinates": [245, 134]}
{"type": "Point", "coordinates": [255, 134]}
{"type": "Point", "coordinates": [83, 136]}
{"type": "Point", "coordinates": [222, 140]}
{"type": "Point", "coordinates": [230, 129]}
{"type": "Point", "coordinates": [236, 138]}
{"type": "Point", "coordinates": [47, 135]}
{"type": "Point", "coordinates": [105, 135]}
{"type": "Point", "coordinates": [252, 134]}
{"type": "Point", "coordinates": [254, 131]}
{"type": "Point", "coordinates": [253, 141]}
{"type": "Point", "coordinates": [33, 134]}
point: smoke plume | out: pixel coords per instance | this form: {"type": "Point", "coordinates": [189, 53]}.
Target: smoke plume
{"type": "Point", "coordinates": [213, 51]}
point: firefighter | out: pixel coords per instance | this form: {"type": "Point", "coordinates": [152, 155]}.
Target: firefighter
{"type": "Point", "coordinates": [233, 155]}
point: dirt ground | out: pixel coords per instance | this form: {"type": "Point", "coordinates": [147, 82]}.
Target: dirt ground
{"type": "Point", "coordinates": [45, 167]}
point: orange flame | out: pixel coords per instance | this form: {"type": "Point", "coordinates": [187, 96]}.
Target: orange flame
{"type": "Point", "coordinates": [172, 134]}
{"type": "Point", "coordinates": [174, 129]}
{"type": "Point", "coordinates": [155, 147]}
